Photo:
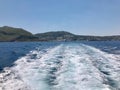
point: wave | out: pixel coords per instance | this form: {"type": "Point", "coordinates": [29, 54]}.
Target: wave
{"type": "Point", "coordinates": [64, 67]}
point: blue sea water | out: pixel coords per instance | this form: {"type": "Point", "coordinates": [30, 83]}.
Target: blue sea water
{"type": "Point", "coordinates": [11, 51]}
{"type": "Point", "coordinates": [93, 65]}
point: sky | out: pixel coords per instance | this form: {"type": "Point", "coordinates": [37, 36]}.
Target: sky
{"type": "Point", "coordinates": [83, 17]}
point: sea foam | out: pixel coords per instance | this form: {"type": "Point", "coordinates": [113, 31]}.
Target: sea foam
{"type": "Point", "coordinates": [64, 67]}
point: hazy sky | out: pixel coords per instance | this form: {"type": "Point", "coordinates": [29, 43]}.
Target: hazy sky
{"type": "Point", "coordinates": [86, 17]}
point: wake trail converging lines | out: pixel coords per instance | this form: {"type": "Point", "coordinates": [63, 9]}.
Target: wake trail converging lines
{"type": "Point", "coordinates": [64, 67]}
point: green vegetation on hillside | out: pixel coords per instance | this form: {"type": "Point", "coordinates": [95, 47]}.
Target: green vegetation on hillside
{"type": "Point", "coordinates": [18, 34]}
{"type": "Point", "coordinates": [66, 36]}
{"type": "Point", "coordinates": [15, 34]}
{"type": "Point", "coordinates": [55, 36]}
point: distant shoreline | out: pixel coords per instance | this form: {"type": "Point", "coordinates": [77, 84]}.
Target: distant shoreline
{"type": "Point", "coordinates": [11, 34]}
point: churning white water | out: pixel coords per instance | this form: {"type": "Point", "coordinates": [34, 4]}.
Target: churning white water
{"type": "Point", "coordinates": [64, 67]}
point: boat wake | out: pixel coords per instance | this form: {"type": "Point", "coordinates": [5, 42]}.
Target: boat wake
{"type": "Point", "coordinates": [64, 67]}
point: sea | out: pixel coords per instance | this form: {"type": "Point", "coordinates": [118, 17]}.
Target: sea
{"type": "Point", "coordinates": [84, 65]}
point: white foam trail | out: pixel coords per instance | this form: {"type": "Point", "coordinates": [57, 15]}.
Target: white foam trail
{"type": "Point", "coordinates": [65, 67]}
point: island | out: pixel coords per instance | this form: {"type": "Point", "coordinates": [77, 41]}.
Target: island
{"type": "Point", "coordinates": [11, 34]}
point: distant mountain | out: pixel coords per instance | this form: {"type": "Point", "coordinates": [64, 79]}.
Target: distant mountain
{"type": "Point", "coordinates": [55, 36]}
{"type": "Point", "coordinates": [66, 36]}
{"type": "Point", "coordinates": [18, 34]}
{"type": "Point", "coordinates": [15, 34]}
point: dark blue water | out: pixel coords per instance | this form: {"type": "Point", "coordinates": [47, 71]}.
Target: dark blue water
{"type": "Point", "coordinates": [60, 65]}
{"type": "Point", "coordinates": [11, 51]}
{"type": "Point", "coordinates": [112, 47]}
